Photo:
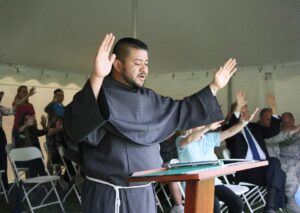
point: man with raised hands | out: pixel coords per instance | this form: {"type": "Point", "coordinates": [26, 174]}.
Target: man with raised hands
{"type": "Point", "coordinates": [116, 125]}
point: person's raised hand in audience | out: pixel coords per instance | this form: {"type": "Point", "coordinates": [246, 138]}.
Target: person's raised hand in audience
{"type": "Point", "coordinates": [271, 101]}
{"type": "Point", "coordinates": [240, 100]}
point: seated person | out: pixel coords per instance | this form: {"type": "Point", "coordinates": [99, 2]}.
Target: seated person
{"type": "Point", "coordinates": [54, 140]}
{"type": "Point", "coordinates": [198, 145]}
{"type": "Point", "coordinates": [249, 144]}
{"type": "Point", "coordinates": [27, 135]}
{"type": "Point", "coordinates": [286, 147]}
{"type": "Point", "coordinates": [268, 116]}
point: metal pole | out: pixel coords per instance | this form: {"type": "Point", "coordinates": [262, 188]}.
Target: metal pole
{"type": "Point", "coordinates": [229, 94]}
{"type": "Point", "coordinates": [134, 18]}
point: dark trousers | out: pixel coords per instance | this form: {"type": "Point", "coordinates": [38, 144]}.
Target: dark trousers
{"type": "Point", "coordinates": [232, 201]}
{"type": "Point", "coordinates": [271, 176]}
{"type": "Point", "coordinates": [35, 167]}
{"type": "Point", "coordinates": [3, 157]}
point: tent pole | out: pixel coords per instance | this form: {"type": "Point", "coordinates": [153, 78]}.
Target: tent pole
{"type": "Point", "coordinates": [229, 94]}
{"type": "Point", "coordinates": [134, 18]}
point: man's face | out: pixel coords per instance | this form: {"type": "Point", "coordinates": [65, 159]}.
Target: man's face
{"type": "Point", "coordinates": [244, 109]}
{"type": "Point", "coordinates": [59, 96]}
{"type": "Point", "coordinates": [265, 118]}
{"type": "Point", "coordinates": [134, 70]}
{"type": "Point", "coordinates": [287, 122]}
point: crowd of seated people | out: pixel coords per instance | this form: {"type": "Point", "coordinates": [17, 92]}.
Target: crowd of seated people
{"type": "Point", "coordinates": [249, 144]}
{"type": "Point", "coordinates": [252, 142]}
{"type": "Point", "coordinates": [198, 145]}
{"type": "Point", "coordinates": [274, 138]}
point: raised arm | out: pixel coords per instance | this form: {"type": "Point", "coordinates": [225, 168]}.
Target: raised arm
{"type": "Point", "coordinates": [43, 122]}
{"type": "Point", "coordinates": [272, 103]}
{"type": "Point", "coordinates": [283, 136]}
{"type": "Point", "coordinates": [19, 102]}
{"type": "Point", "coordinates": [103, 64]}
{"type": "Point", "coordinates": [198, 133]}
{"type": "Point", "coordinates": [244, 120]}
{"type": "Point", "coordinates": [223, 75]}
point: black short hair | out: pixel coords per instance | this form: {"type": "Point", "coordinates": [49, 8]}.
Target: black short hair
{"type": "Point", "coordinates": [121, 48]}
{"type": "Point", "coordinates": [20, 87]}
{"type": "Point", "coordinates": [263, 111]}
{"type": "Point", "coordinates": [57, 90]}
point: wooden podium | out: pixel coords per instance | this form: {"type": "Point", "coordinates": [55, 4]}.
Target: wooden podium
{"type": "Point", "coordinates": [200, 186]}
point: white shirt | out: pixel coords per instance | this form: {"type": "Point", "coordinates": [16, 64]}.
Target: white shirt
{"type": "Point", "coordinates": [249, 155]}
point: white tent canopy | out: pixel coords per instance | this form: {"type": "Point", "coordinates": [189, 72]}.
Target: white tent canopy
{"type": "Point", "coordinates": [51, 44]}
{"type": "Point", "coordinates": [183, 35]}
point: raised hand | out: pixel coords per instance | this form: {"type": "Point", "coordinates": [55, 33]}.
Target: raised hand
{"type": "Point", "coordinates": [295, 130]}
{"type": "Point", "coordinates": [240, 100]}
{"type": "Point", "coordinates": [31, 91]}
{"type": "Point", "coordinates": [103, 63]}
{"type": "Point", "coordinates": [43, 120]}
{"type": "Point", "coordinates": [214, 125]}
{"type": "Point", "coordinates": [272, 103]}
{"type": "Point", "coordinates": [223, 74]}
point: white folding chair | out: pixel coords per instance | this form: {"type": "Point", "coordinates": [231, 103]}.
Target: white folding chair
{"type": "Point", "coordinates": [72, 178]}
{"type": "Point", "coordinates": [255, 194]}
{"type": "Point", "coordinates": [158, 203]}
{"type": "Point", "coordinates": [21, 171]}
{"type": "Point", "coordinates": [29, 185]}
{"type": "Point", "coordinates": [176, 160]}
{"type": "Point", "coordinates": [55, 167]}
{"type": "Point", "coordinates": [160, 187]}
{"type": "Point", "coordinates": [2, 188]}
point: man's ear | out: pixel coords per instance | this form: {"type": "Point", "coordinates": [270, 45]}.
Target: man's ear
{"type": "Point", "coordinates": [117, 65]}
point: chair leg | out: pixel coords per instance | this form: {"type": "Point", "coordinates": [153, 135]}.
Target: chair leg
{"type": "Point", "coordinates": [4, 190]}
{"type": "Point", "coordinates": [67, 194]}
{"type": "Point", "coordinates": [77, 195]}
{"type": "Point", "coordinates": [58, 198]}
{"type": "Point", "coordinates": [159, 203]}
{"type": "Point", "coordinates": [27, 198]}
{"type": "Point", "coordinates": [165, 193]}
{"type": "Point", "coordinates": [248, 204]}
{"type": "Point", "coordinates": [11, 187]}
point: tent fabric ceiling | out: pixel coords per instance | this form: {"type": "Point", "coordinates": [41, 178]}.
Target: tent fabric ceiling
{"type": "Point", "coordinates": [183, 35]}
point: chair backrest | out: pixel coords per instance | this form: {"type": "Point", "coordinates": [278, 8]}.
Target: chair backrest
{"type": "Point", "coordinates": [174, 160]}
{"type": "Point", "coordinates": [9, 147]}
{"type": "Point", "coordinates": [61, 152]}
{"type": "Point", "coordinates": [226, 153]}
{"type": "Point", "coordinates": [25, 154]}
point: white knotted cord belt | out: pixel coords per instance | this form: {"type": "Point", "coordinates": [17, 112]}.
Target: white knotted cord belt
{"type": "Point", "coordinates": [117, 188]}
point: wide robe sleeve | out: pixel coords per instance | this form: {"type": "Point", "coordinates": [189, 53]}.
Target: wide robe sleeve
{"type": "Point", "coordinates": [153, 117]}
{"type": "Point", "coordinates": [83, 116]}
